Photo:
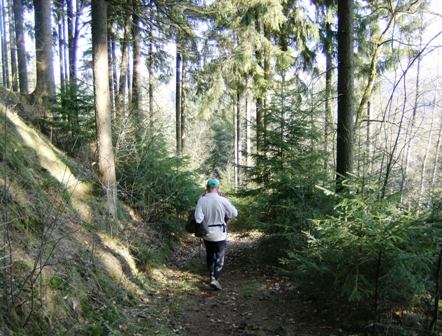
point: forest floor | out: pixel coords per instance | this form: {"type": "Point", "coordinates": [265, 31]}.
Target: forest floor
{"type": "Point", "coordinates": [255, 299]}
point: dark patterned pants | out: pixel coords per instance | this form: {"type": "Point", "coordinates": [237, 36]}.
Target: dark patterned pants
{"type": "Point", "coordinates": [215, 252]}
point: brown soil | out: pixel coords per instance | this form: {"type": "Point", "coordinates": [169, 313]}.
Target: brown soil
{"type": "Point", "coordinates": [255, 300]}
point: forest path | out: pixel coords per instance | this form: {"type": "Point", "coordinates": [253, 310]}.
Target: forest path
{"type": "Point", "coordinates": [255, 300]}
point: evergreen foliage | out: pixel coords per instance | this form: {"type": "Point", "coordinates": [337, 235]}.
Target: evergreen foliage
{"type": "Point", "coordinates": [370, 251]}
{"type": "Point", "coordinates": [288, 166]}
{"type": "Point", "coordinates": [155, 182]}
{"type": "Point", "coordinates": [73, 118]}
{"type": "Point", "coordinates": [221, 148]}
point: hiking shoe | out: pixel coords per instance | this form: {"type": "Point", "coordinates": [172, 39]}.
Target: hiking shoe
{"type": "Point", "coordinates": [215, 284]}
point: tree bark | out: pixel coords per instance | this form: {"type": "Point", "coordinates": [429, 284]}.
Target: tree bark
{"type": "Point", "coordinates": [178, 99]}
{"type": "Point", "coordinates": [344, 144]}
{"type": "Point", "coordinates": [5, 65]}
{"type": "Point", "coordinates": [45, 87]}
{"type": "Point", "coordinates": [328, 93]}
{"type": "Point", "coordinates": [151, 78]}
{"type": "Point", "coordinates": [21, 47]}
{"type": "Point", "coordinates": [110, 38]}
{"type": "Point", "coordinates": [114, 68]}
{"type": "Point", "coordinates": [73, 37]}
{"type": "Point", "coordinates": [60, 56]}
{"type": "Point", "coordinates": [12, 47]}
{"type": "Point", "coordinates": [247, 131]}
{"type": "Point", "coordinates": [61, 45]}
{"type": "Point", "coordinates": [282, 133]}
{"type": "Point", "coordinates": [235, 145]}
{"type": "Point", "coordinates": [367, 153]}
{"type": "Point", "coordinates": [121, 106]}
{"type": "Point", "coordinates": [259, 109]}
{"type": "Point", "coordinates": [238, 138]}
{"type": "Point", "coordinates": [106, 162]}
{"type": "Point", "coordinates": [65, 38]}
{"type": "Point", "coordinates": [183, 102]}
{"type": "Point", "coordinates": [259, 104]}
{"type": "Point", "coordinates": [137, 65]}
{"type": "Point", "coordinates": [267, 78]}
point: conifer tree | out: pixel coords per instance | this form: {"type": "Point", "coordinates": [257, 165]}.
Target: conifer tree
{"type": "Point", "coordinates": [106, 161]}
{"type": "Point", "coordinates": [45, 87]}
{"type": "Point", "coordinates": [21, 46]}
{"type": "Point", "coordinates": [344, 146]}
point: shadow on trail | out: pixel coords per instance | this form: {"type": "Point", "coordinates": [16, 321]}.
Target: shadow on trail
{"type": "Point", "coordinates": [255, 300]}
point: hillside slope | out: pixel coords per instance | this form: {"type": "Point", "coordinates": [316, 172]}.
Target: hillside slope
{"type": "Point", "coordinates": [66, 267]}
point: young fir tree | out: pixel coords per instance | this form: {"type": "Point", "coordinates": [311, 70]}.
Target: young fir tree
{"type": "Point", "coordinates": [287, 170]}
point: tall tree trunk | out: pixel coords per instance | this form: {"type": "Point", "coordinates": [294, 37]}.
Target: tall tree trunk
{"type": "Point", "coordinates": [344, 144]}
{"type": "Point", "coordinates": [65, 51]}
{"type": "Point", "coordinates": [106, 161]}
{"type": "Point", "coordinates": [61, 62]}
{"type": "Point", "coordinates": [21, 47]}
{"type": "Point", "coordinates": [114, 69]}
{"type": "Point", "coordinates": [73, 37]}
{"type": "Point", "coordinates": [259, 110]}
{"type": "Point", "coordinates": [238, 138]}
{"type": "Point", "coordinates": [45, 87]}
{"type": "Point", "coordinates": [328, 120]}
{"type": "Point", "coordinates": [110, 38]}
{"type": "Point", "coordinates": [137, 65]}
{"type": "Point", "coordinates": [12, 47]}
{"type": "Point", "coordinates": [178, 99]}
{"type": "Point", "coordinates": [183, 102]}
{"type": "Point", "coordinates": [367, 152]}
{"type": "Point", "coordinates": [267, 78]}
{"type": "Point", "coordinates": [121, 106]}
{"type": "Point", "coordinates": [259, 103]}
{"type": "Point", "coordinates": [282, 133]}
{"type": "Point", "coordinates": [150, 71]}
{"type": "Point", "coordinates": [129, 79]}
{"type": "Point", "coordinates": [235, 144]}
{"type": "Point", "coordinates": [4, 44]}
{"type": "Point", "coordinates": [70, 26]}
{"type": "Point", "coordinates": [247, 131]}
{"type": "Point", "coordinates": [71, 43]}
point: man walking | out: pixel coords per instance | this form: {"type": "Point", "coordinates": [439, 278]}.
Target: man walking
{"type": "Point", "coordinates": [212, 211]}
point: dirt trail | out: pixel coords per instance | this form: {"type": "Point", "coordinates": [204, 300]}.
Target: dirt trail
{"type": "Point", "coordinates": [254, 299]}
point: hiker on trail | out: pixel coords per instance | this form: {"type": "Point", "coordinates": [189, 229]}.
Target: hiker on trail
{"type": "Point", "coordinates": [212, 211]}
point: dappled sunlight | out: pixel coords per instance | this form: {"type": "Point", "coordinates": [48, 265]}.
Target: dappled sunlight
{"type": "Point", "coordinates": [245, 237]}
{"type": "Point", "coordinates": [115, 269]}
{"type": "Point", "coordinates": [50, 159]}
{"type": "Point", "coordinates": [175, 280]}
{"type": "Point", "coordinates": [120, 249]}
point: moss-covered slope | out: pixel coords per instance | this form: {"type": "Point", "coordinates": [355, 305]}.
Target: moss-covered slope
{"type": "Point", "coordinates": [66, 268]}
